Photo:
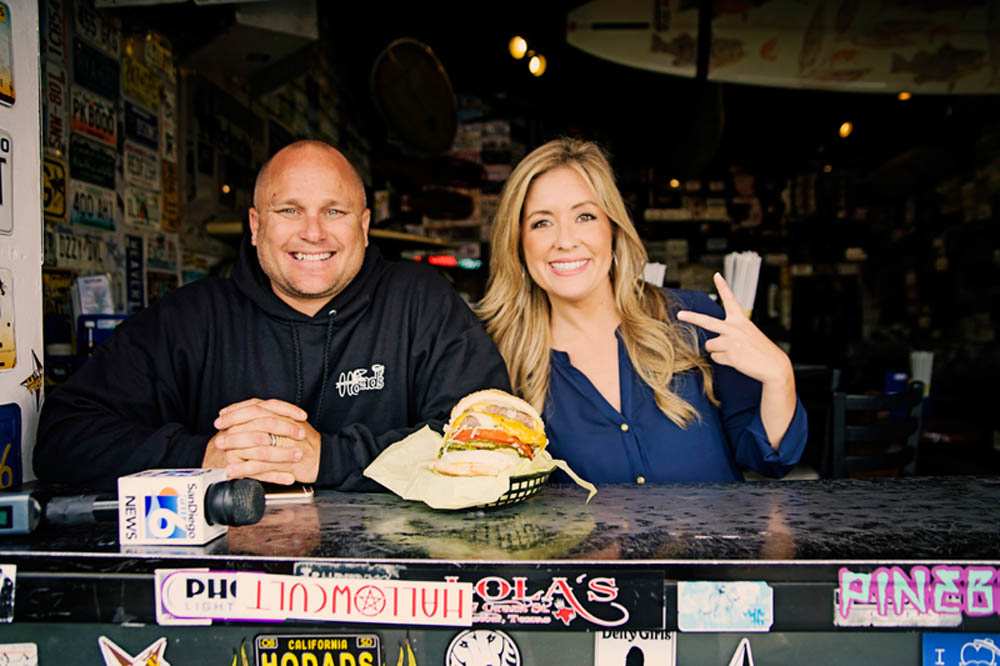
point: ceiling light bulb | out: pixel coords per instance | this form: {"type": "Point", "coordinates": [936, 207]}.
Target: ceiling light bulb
{"type": "Point", "coordinates": [674, 183]}
{"type": "Point", "coordinates": [537, 65]}
{"type": "Point", "coordinates": [518, 46]}
{"type": "Point", "coordinates": [846, 129]}
{"type": "Point", "coordinates": [904, 95]}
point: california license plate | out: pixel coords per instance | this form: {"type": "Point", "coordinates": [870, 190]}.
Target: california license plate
{"type": "Point", "coordinates": [319, 649]}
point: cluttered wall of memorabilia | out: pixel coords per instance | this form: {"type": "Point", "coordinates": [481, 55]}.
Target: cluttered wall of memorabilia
{"type": "Point", "coordinates": [143, 153]}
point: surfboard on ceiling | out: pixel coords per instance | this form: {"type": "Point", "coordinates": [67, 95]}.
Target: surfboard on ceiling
{"type": "Point", "coordinates": [923, 46]}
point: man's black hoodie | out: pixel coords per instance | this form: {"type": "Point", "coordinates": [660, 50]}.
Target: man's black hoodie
{"type": "Point", "coordinates": [396, 349]}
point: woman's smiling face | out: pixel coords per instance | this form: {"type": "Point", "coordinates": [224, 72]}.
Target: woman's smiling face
{"type": "Point", "coordinates": [566, 237]}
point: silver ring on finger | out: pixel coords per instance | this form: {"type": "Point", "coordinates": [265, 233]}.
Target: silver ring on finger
{"type": "Point", "coordinates": [274, 438]}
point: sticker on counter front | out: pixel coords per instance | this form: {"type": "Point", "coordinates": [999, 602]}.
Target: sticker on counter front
{"type": "Point", "coordinates": [91, 162]}
{"type": "Point", "coordinates": [915, 597]}
{"type": "Point", "coordinates": [482, 647]}
{"type": "Point", "coordinates": [116, 656]}
{"type": "Point", "coordinates": [8, 578]}
{"type": "Point", "coordinates": [6, 183]}
{"type": "Point", "coordinates": [10, 450]}
{"type": "Point", "coordinates": [142, 126]}
{"type": "Point", "coordinates": [186, 596]}
{"type": "Point", "coordinates": [951, 649]}
{"type": "Point", "coordinates": [319, 649]}
{"type": "Point", "coordinates": [649, 648]}
{"type": "Point", "coordinates": [724, 606]}
{"type": "Point", "coordinates": [19, 654]}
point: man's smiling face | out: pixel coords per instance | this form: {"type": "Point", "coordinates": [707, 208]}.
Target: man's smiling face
{"type": "Point", "coordinates": [309, 225]}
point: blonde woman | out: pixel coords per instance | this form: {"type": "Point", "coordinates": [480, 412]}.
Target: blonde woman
{"type": "Point", "coordinates": [636, 384]}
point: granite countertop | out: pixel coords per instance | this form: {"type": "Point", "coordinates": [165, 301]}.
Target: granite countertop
{"type": "Point", "coordinates": [926, 518]}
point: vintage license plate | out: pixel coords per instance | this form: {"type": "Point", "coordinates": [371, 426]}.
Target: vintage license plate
{"type": "Point", "coordinates": [95, 70]}
{"type": "Point", "coordinates": [53, 30]}
{"type": "Point", "coordinates": [54, 189]}
{"type": "Point", "coordinates": [75, 250]}
{"type": "Point", "coordinates": [91, 162]}
{"type": "Point", "coordinates": [135, 274]}
{"type": "Point", "coordinates": [161, 250]}
{"type": "Point", "coordinates": [142, 208]}
{"type": "Point", "coordinates": [168, 124]}
{"type": "Point", "coordinates": [140, 83]}
{"type": "Point", "coordinates": [6, 57]}
{"type": "Point", "coordinates": [142, 126]}
{"type": "Point", "coordinates": [158, 55]}
{"type": "Point", "coordinates": [55, 94]}
{"type": "Point", "coordinates": [8, 358]}
{"type": "Point", "coordinates": [142, 167]}
{"type": "Point", "coordinates": [91, 206]}
{"type": "Point", "coordinates": [355, 649]}
{"type": "Point", "coordinates": [99, 29]}
{"type": "Point", "coordinates": [6, 183]}
{"type": "Point", "coordinates": [94, 116]}
{"type": "Point", "coordinates": [170, 211]}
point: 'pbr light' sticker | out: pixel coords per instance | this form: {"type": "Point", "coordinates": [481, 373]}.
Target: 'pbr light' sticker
{"type": "Point", "coordinates": [961, 649]}
{"type": "Point", "coordinates": [8, 576]}
{"type": "Point", "coordinates": [115, 656]}
{"type": "Point", "coordinates": [649, 648]}
{"type": "Point", "coordinates": [319, 649]}
{"type": "Point", "coordinates": [724, 606]}
{"type": "Point", "coordinates": [482, 647]}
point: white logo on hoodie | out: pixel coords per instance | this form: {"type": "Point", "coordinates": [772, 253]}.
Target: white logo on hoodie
{"type": "Point", "coordinates": [353, 382]}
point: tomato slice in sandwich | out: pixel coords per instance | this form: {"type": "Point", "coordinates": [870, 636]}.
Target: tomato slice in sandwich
{"type": "Point", "coordinates": [491, 435]}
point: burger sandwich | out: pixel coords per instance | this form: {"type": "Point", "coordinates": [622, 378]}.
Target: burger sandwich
{"type": "Point", "coordinates": [489, 432]}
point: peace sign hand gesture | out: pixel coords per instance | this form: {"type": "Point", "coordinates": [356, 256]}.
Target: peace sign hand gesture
{"type": "Point", "coordinates": [740, 344]}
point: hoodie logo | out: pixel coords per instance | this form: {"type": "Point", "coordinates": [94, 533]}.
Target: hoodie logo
{"type": "Point", "coordinates": [353, 382]}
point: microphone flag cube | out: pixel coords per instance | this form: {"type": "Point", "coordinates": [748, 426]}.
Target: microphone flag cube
{"type": "Point", "coordinates": [166, 507]}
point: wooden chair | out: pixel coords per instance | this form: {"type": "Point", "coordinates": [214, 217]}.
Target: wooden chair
{"type": "Point", "coordinates": [876, 435]}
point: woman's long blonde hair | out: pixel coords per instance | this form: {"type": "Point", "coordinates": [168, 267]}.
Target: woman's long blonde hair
{"type": "Point", "coordinates": [516, 310]}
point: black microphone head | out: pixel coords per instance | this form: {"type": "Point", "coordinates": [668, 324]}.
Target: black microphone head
{"type": "Point", "coordinates": [234, 502]}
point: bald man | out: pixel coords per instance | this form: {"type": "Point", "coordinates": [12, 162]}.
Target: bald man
{"type": "Point", "coordinates": [315, 356]}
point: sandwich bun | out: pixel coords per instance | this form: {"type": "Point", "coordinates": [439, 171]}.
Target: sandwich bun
{"type": "Point", "coordinates": [489, 431]}
{"type": "Point", "coordinates": [475, 463]}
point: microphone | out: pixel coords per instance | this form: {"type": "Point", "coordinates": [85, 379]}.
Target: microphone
{"type": "Point", "coordinates": [231, 503]}
{"type": "Point", "coordinates": [184, 506]}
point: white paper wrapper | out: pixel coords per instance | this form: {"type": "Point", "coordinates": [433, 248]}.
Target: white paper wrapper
{"type": "Point", "coordinates": [404, 469]}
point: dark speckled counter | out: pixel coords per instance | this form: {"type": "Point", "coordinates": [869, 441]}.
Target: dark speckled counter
{"type": "Point", "coordinates": [928, 518]}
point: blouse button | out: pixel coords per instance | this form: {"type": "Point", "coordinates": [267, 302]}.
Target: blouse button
{"type": "Point", "coordinates": [640, 480]}
{"type": "Point", "coordinates": [624, 427]}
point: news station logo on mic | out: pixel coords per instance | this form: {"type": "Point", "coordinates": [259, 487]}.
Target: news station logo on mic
{"type": "Point", "coordinates": [167, 506]}
{"type": "Point", "coordinates": [163, 516]}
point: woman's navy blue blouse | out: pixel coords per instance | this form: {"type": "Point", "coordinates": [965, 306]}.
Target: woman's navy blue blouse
{"type": "Point", "coordinates": [640, 444]}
